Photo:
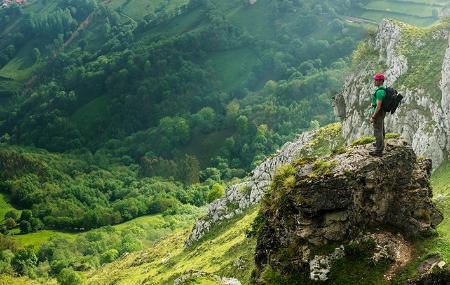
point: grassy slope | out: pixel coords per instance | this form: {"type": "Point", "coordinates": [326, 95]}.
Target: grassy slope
{"type": "Point", "coordinates": [225, 251]}
{"type": "Point", "coordinates": [5, 206]}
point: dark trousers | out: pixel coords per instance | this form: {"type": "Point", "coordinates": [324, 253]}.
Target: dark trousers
{"type": "Point", "coordinates": [379, 131]}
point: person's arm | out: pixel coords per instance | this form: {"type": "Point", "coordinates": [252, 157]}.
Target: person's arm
{"type": "Point", "coordinates": [377, 110]}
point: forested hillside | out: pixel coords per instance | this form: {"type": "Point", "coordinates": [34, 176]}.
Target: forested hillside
{"type": "Point", "coordinates": [229, 81]}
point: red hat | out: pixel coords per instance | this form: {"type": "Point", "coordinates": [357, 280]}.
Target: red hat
{"type": "Point", "coordinates": [378, 76]}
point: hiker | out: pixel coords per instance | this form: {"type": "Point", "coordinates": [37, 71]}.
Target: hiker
{"type": "Point", "coordinates": [378, 115]}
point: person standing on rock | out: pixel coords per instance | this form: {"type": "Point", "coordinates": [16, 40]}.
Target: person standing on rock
{"type": "Point", "coordinates": [378, 115]}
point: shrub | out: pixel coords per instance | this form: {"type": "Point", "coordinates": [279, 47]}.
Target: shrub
{"type": "Point", "coordinates": [363, 141]}
{"type": "Point", "coordinates": [25, 261]}
{"type": "Point", "coordinates": [68, 276]}
{"type": "Point", "coordinates": [109, 256]}
{"type": "Point", "coordinates": [217, 191]}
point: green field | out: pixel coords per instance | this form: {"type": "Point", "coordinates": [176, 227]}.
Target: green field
{"type": "Point", "coordinates": [412, 9]}
{"type": "Point", "coordinates": [410, 19]}
{"type": "Point", "coordinates": [412, 12]}
{"type": "Point", "coordinates": [256, 19]}
{"type": "Point", "coordinates": [233, 66]}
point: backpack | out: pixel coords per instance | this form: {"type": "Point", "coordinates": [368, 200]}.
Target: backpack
{"type": "Point", "coordinates": [391, 101]}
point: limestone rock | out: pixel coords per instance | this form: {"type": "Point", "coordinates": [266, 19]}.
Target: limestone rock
{"type": "Point", "coordinates": [339, 197]}
{"type": "Point", "coordinates": [422, 120]}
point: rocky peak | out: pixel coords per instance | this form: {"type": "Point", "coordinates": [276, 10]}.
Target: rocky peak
{"type": "Point", "coordinates": [417, 63]}
{"type": "Point", "coordinates": [341, 199]}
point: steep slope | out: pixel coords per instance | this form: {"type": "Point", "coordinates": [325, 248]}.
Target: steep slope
{"type": "Point", "coordinates": [249, 192]}
{"type": "Point", "coordinates": [417, 63]}
{"type": "Point", "coordinates": [218, 252]}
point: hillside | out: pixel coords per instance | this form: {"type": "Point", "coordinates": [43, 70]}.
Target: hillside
{"type": "Point", "coordinates": [159, 76]}
{"type": "Point", "coordinates": [157, 266]}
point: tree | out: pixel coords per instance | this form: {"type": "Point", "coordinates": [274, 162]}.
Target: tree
{"type": "Point", "coordinates": [36, 54]}
{"type": "Point", "coordinates": [25, 227]}
{"type": "Point", "coordinates": [10, 223]}
{"type": "Point", "coordinates": [68, 276]}
{"type": "Point", "coordinates": [24, 261]}
{"type": "Point", "coordinates": [205, 120]}
{"type": "Point", "coordinates": [11, 214]}
{"type": "Point", "coordinates": [162, 203]}
{"type": "Point", "coordinates": [109, 256]}
{"type": "Point", "coordinates": [189, 169]}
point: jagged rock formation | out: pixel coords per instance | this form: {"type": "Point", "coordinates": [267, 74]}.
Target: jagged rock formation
{"type": "Point", "coordinates": [313, 203]}
{"type": "Point", "coordinates": [417, 63]}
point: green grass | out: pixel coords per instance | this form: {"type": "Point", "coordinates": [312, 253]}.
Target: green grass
{"type": "Point", "coordinates": [91, 113]}
{"type": "Point", "coordinates": [408, 8]}
{"type": "Point", "coordinates": [137, 9]}
{"type": "Point", "coordinates": [151, 221]}
{"type": "Point", "coordinates": [186, 22]}
{"type": "Point", "coordinates": [233, 66]}
{"type": "Point", "coordinates": [380, 15]}
{"type": "Point", "coordinates": [425, 58]}
{"type": "Point", "coordinates": [38, 238]}
{"type": "Point", "coordinates": [22, 66]}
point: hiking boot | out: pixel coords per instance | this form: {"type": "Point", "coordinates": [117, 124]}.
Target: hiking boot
{"type": "Point", "coordinates": [376, 153]}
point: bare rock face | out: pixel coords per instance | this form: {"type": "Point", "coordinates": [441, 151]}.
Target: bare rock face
{"type": "Point", "coordinates": [313, 203]}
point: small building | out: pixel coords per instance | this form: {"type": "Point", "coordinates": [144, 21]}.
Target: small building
{"type": "Point", "coordinates": [6, 3]}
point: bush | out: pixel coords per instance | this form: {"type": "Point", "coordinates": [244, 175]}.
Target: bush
{"type": "Point", "coordinates": [217, 191]}
{"type": "Point", "coordinates": [68, 276]}
{"type": "Point", "coordinates": [25, 261]}
{"type": "Point", "coordinates": [162, 203]}
{"type": "Point", "coordinates": [109, 256]}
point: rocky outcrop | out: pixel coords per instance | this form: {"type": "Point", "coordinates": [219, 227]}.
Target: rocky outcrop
{"type": "Point", "coordinates": [314, 203]}
{"type": "Point", "coordinates": [240, 196]}
{"type": "Point", "coordinates": [423, 120]}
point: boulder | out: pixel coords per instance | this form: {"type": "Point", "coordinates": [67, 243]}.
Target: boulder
{"type": "Point", "coordinates": [319, 202]}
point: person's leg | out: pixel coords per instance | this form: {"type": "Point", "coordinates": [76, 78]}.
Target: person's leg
{"type": "Point", "coordinates": [378, 133]}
